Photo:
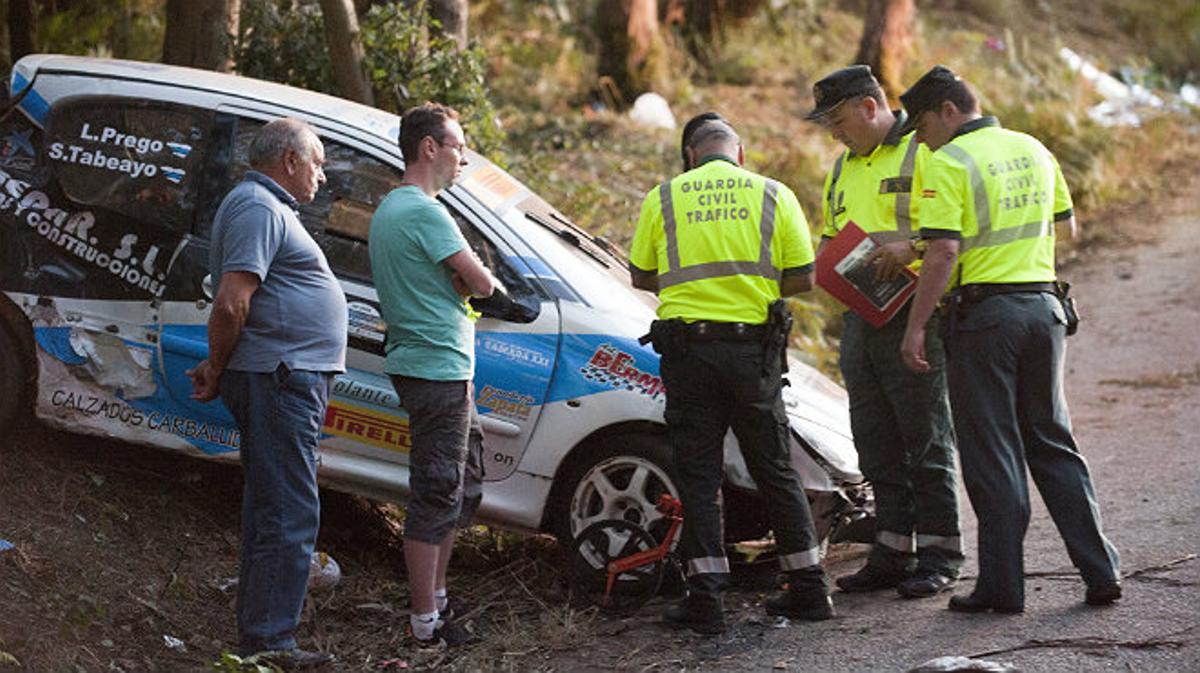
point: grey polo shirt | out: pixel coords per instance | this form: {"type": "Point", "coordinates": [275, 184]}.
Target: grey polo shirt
{"type": "Point", "coordinates": [298, 314]}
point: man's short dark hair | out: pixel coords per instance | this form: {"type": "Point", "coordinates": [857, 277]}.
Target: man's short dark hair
{"type": "Point", "coordinates": [700, 128]}
{"type": "Point", "coordinates": [421, 121]}
{"type": "Point", "coordinates": [962, 96]}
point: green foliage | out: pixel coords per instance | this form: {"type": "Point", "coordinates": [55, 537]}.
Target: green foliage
{"type": "Point", "coordinates": [231, 663]}
{"type": "Point", "coordinates": [1169, 30]}
{"type": "Point", "coordinates": [408, 63]}
{"type": "Point", "coordinates": [284, 41]}
{"type": "Point", "coordinates": [130, 29]}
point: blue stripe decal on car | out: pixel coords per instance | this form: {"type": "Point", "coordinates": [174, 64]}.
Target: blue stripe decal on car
{"type": "Point", "coordinates": [33, 104]}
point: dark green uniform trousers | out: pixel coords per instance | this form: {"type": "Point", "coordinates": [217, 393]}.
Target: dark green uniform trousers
{"type": "Point", "coordinates": [1006, 389]}
{"type": "Point", "coordinates": [712, 386]}
{"type": "Point", "coordinates": [905, 441]}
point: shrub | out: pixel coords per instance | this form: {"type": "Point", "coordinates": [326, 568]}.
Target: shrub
{"type": "Point", "coordinates": [407, 62]}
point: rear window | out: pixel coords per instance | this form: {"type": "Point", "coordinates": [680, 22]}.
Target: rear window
{"type": "Point", "coordinates": [136, 158]}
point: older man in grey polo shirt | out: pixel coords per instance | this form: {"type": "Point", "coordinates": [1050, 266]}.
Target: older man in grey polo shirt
{"type": "Point", "coordinates": [277, 336]}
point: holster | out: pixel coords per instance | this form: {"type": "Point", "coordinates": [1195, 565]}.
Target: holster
{"type": "Point", "coordinates": [952, 308]}
{"type": "Point", "coordinates": [1068, 305]}
{"type": "Point", "coordinates": [664, 336]}
{"type": "Point", "coordinates": [779, 329]}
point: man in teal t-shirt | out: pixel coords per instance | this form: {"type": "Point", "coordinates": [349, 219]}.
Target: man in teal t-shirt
{"type": "Point", "coordinates": [430, 331]}
{"type": "Point", "coordinates": [424, 271]}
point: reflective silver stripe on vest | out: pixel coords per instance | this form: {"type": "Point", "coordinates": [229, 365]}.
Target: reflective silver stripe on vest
{"type": "Point", "coordinates": [708, 565]}
{"type": "Point", "coordinates": [948, 542]}
{"type": "Point", "coordinates": [904, 199]}
{"type": "Point", "coordinates": [668, 210]}
{"type": "Point", "coordinates": [983, 211]}
{"type": "Point", "coordinates": [895, 541]}
{"type": "Point", "coordinates": [800, 560]}
{"type": "Point", "coordinates": [833, 178]}
{"type": "Point", "coordinates": [763, 267]}
{"type": "Point", "coordinates": [987, 237]}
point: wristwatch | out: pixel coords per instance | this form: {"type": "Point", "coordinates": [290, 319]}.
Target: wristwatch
{"type": "Point", "coordinates": [919, 246]}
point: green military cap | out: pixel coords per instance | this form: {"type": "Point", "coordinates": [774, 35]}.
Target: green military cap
{"type": "Point", "coordinates": [839, 86]}
{"type": "Point", "coordinates": [927, 93]}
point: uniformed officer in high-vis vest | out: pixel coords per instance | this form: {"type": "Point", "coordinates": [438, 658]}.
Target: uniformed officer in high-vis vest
{"type": "Point", "coordinates": [989, 202]}
{"type": "Point", "coordinates": [720, 245]}
{"type": "Point", "coordinates": [900, 418]}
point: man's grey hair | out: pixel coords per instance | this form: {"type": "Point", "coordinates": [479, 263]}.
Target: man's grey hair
{"type": "Point", "coordinates": [279, 136]}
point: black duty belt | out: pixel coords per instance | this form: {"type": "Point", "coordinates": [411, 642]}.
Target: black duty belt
{"type": "Point", "coordinates": [981, 291]}
{"type": "Point", "coordinates": [703, 330]}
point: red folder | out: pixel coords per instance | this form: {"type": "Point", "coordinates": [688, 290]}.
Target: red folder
{"type": "Point", "coordinates": [843, 272]}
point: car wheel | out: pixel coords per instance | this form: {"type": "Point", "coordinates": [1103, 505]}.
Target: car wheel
{"type": "Point", "coordinates": [621, 479]}
{"type": "Point", "coordinates": [12, 379]}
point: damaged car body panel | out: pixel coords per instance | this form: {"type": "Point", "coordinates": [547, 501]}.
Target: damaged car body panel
{"type": "Point", "coordinates": [110, 176]}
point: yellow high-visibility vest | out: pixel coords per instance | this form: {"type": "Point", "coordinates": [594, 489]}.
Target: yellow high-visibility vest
{"type": "Point", "coordinates": [1000, 191]}
{"type": "Point", "coordinates": [720, 238]}
{"type": "Point", "coordinates": [875, 190]}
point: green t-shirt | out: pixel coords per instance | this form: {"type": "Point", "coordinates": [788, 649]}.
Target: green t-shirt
{"type": "Point", "coordinates": [430, 332]}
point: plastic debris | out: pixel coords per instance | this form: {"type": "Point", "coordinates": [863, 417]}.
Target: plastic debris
{"type": "Point", "coordinates": [1190, 94]}
{"type": "Point", "coordinates": [323, 571]}
{"type": "Point", "coordinates": [651, 109]}
{"type": "Point", "coordinates": [1123, 104]}
{"type": "Point", "coordinates": [5, 545]}
{"type": "Point", "coordinates": [174, 643]}
{"type": "Point", "coordinates": [957, 664]}
{"type": "Point", "coordinates": [226, 584]}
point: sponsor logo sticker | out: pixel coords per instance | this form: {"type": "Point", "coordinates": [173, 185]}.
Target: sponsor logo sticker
{"type": "Point", "coordinates": [613, 367]}
{"type": "Point", "coordinates": [369, 427]}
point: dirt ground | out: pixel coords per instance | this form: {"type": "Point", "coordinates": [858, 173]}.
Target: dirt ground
{"type": "Point", "coordinates": [122, 556]}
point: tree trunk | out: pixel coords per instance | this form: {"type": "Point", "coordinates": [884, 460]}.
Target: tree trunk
{"type": "Point", "coordinates": [887, 32]}
{"type": "Point", "coordinates": [346, 50]}
{"type": "Point", "coordinates": [631, 55]}
{"type": "Point", "coordinates": [201, 33]}
{"type": "Point", "coordinates": [452, 14]}
{"type": "Point", "coordinates": [22, 28]}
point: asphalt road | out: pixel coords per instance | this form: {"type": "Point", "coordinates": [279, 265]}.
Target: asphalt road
{"type": "Point", "coordinates": [1133, 383]}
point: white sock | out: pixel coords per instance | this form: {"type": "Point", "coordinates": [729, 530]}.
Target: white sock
{"type": "Point", "coordinates": [423, 625]}
{"type": "Point", "coordinates": [440, 599]}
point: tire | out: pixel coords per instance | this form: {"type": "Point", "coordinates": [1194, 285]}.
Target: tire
{"type": "Point", "coordinates": [13, 373]}
{"type": "Point", "coordinates": [607, 541]}
{"type": "Point", "coordinates": [621, 478]}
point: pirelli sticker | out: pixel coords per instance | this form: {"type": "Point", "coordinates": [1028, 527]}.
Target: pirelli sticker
{"type": "Point", "coordinates": [369, 427]}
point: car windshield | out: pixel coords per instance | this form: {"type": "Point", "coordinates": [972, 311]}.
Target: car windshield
{"type": "Point", "coordinates": [592, 263]}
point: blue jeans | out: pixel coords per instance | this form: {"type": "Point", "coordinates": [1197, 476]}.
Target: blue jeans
{"type": "Point", "coordinates": [279, 415]}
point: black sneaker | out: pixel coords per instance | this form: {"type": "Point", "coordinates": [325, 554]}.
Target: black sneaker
{"type": "Point", "coordinates": [808, 606]}
{"type": "Point", "coordinates": [870, 578]}
{"type": "Point", "coordinates": [925, 585]}
{"type": "Point", "coordinates": [704, 615]}
{"type": "Point", "coordinates": [450, 633]}
{"type": "Point", "coordinates": [292, 660]}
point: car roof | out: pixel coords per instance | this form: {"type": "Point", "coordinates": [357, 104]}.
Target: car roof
{"type": "Point", "coordinates": [384, 125]}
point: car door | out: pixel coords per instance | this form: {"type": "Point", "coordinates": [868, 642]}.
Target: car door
{"type": "Point", "coordinates": [118, 198]}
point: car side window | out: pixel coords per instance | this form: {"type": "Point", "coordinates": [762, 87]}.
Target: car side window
{"type": "Point", "coordinates": [339, 218]}
{"type": "Point", "coordinates": [135, 158]}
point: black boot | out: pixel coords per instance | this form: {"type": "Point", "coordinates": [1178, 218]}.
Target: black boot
{"type": "Point", "coordinates": [809, 605]}
{"type": "Point", "coordinates": [701, 613]}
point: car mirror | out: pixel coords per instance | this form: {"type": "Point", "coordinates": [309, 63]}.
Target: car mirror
{"type": "Point", "coordinates": [503, 307]}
